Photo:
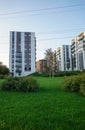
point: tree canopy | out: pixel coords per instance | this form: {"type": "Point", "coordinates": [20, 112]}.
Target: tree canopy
{"type": "Point", "coordinates": [3, 69]}
{"type": "Point", "coordinates": [50, 56]}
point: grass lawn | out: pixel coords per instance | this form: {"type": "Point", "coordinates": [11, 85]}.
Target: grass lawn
{"type": "Point", "coordinates": [48, 109]}
{"type": "Point", "coordinates": [1, 81]}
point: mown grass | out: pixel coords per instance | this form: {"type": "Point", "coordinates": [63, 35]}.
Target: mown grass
{"type": "Point", "coordinates": [48, 109]}
{"type": "Point", "coordinates": [1, 81]}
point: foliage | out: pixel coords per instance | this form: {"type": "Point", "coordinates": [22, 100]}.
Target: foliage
{"type": "Point", "coordinates": [3, 69]}
{"type": "Point", "coordinates": [82, 89]}
{"type": "Point", "coordinates": [28, 84]}
{"type": "Point", "coordinates": [58, 74]}
{"type": "Point", "coordinates": [50, 57]}
{"type": "Point", "coordinates": [36, 74]}
{"type": "Point", "coordinates": [20, 84]}
{"type": "Point", "coordinates": [10, 84]}
{"type": "Point", "coordinates": [3, 76]}
{"type": "Point", "coordinates": [74, 83]}
{"type": "Point", "coordinates": [66, 73]}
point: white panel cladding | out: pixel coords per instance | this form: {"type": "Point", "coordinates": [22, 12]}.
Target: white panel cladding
{"type": "Point", "coordinates": [64, 57]}
{"type": "Point", "coordinates": [23, 51]}
{"type": "Point", "coordinates": [10, 53]}
{"type": "Point", "coordinates": [23, 71]}
{"type": "Point", "coordinates": [79, 48]}
{"type": "Point", "coordinates": [33, 52]}
{"type": "Point", "coordinates": [84, 59]}
{"type": "Point", "coordinates": [15, 39]}
{"type": "Point", "coordinates": [70, 57]}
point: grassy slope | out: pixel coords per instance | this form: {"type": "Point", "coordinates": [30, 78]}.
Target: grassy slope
{"type": "Point", "coordinates": [1, 81]}
{"type": "Point", "coordinates": [48, 109]}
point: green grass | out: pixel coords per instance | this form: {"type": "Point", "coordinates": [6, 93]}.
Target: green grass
{"type": "Point", "coordinates": [1, 81]}
{"type": "Point", "coordinates": [48, 109]}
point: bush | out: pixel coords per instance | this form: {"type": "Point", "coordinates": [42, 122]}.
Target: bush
{"type": "Point", "coordinates": [25, 84]}
{"type": "Point", "coordinates": [66, 73]}
{"type": "Point", "coordinates": [82, 89]}
{"type": "Point", "coordinates": [32, 84]}
{"type": "Point", "coordinates": [28, 84]}
{"type": "Point", "coordinates": [74, 83]}
{"type": "Point", "coordinates": [4, 69]}
{"type": "Point", "coordinates": [22, 85]}
{"type": "Point", "coordinates": [10, 84]}
{"type": "Point", "coordinates": [59, 73]}
{"type": "Point", "coordinates": [3, 76]}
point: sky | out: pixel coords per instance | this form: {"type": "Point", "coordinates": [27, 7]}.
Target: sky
{"type": "Point", "coordinates": [55, 22]}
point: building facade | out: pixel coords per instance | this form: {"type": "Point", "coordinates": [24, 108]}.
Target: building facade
{"type": "Point", "coordinates": [64, 58]}
{"type": "Point", "coordinates": [78, 52]}
{"type": "Point", "coordinates": [58, 57]}
{"type": "Point", "coordinates": [22, 54]}
{"type": "Point", "coordinates": [41, 66]}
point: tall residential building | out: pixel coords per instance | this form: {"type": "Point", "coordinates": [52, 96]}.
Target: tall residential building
{"type": "Point", "coordinates": [41, 66]}
{"type": "Point", "coordinates": [22, 54]}
{"type": "Point", "coordinates": [64, 58]}
{"type": "Point", "coordinates": [58, 56]}
{"type": "Point", "coordinates": [78, 52]}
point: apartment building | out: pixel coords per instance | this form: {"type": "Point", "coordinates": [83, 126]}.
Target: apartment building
{"type": "Point", "coordinates": [78, 52]}
{"type": "Point", "coordinates": [41, 66]}
{"type": "Point", "coordinates": [22, 55]}
{"type": "Point", "coordinates": [58, 56]}
{"type": "Point", "coordinates": [63, 55]}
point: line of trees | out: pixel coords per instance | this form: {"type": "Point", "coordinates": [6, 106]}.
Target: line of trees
{"type": "Point", "coordinates": [3, 69]}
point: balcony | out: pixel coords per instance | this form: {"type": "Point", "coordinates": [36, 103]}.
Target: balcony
{"type": "Point", "coordinates": [18, 54]}
{"type": "Point", "coordinates": [18, 60]}
{"type": "Point", "coordinates": [84, 39]}
{"type": "Point", "coordinates": [80, 38]}
{"type": "Point", "coordinates": [18, 66]}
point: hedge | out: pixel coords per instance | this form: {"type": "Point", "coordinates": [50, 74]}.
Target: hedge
{"type": "Point", "coordinates": [74, 84]}
{"type": "Point", "coordinates": [24, 84]}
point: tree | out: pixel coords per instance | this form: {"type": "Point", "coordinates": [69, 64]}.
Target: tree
{"type": "Point", "coordinates": [50, 56]}
{"type": "Point", "coordinates": [3, 69]}
{"type": "Point", "coordinates": [55, 61]}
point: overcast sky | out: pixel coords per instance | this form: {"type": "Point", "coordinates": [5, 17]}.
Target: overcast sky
{"type": "Point", "coordinates": [55, 22]}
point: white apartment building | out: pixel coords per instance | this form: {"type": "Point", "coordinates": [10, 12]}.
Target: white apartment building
{"type": "Point", "coordinates": [78, 52]}
{"type": "Point", "coordinates": [63, 54]}
{"type": "Point", "coordinates": [22, 55]}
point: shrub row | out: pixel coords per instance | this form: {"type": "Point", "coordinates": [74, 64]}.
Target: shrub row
{"type": "Point", "coordinates": [75, 84]}
{"type": "Point", "coordinates": [3, 76]}
{"type": "Point", "coordinates": [25, 84]}
{"type": "Point", "coordinates": [58, 74]}
{"type": "Point", "coordinates": [66, 73]}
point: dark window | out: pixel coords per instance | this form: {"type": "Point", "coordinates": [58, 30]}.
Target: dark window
{"type": "Point", "coordinates": [12, 37]}
{"type": "Point", "coordinates": [25, 68]}
{"type": "Point", "coordinates": [12, 56]}
{"type": "Point", "coordinates": [12, 46]}
{"type": "Point", "coordinates": [29, 68]}
{"type": "Point", "coordinates": [12, 51]}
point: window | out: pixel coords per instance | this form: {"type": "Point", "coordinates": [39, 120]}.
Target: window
{"type": "Point", "coordinates": [12, 56]}
{"type": "Point", "coordinates": [12, 46]}
{"type": "Point", "coordinates": [29, 68]}
{"type": "Point", "coordinates": [12, 51]}
{"type": "Point", "coordinates": [25, 68]}
{"type": "Point", "coordinates": [12, 37]}
{"type": "Point", "coordinates": [12, 66]}
{"type": "Point", "coordinates": [12, 61]}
